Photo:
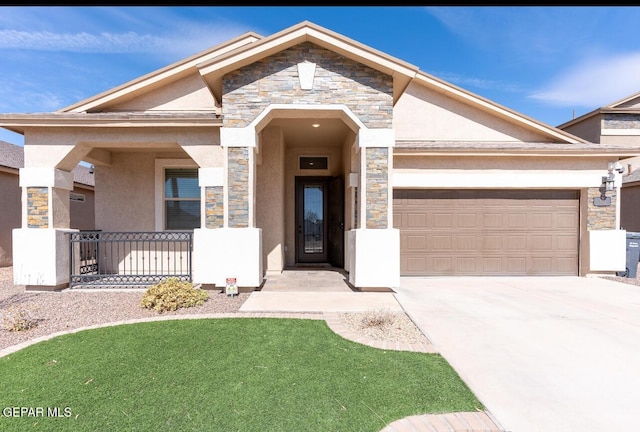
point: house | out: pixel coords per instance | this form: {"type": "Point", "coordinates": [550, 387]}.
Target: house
{"type": "Point", "coordinates": [618, 124]}
{"type": "Point", "coordinates": [81, 213]}
{"type": "Point", "coordinates": [306, 147]}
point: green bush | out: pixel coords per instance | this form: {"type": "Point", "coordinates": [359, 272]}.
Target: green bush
{"type": "Point", "coordinates": [172, 294]}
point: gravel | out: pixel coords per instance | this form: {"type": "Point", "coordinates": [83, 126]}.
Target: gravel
{"type": "Point", "coordinates": [65, 310]}
{"type": "Point", "coordinates": [53, 312]}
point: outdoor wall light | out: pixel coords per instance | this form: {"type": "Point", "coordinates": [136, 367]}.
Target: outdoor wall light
{"type": "Point", "coordinates": [608, 185]}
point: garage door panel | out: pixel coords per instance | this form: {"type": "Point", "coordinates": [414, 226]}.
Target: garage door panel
{"type": "Point", "coordinates": [516, 243]}
{"type": "Point", "coordinates": [487, 232]}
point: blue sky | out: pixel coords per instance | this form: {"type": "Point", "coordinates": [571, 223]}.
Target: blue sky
{"type": "Point", "coordinates": [549, 63]}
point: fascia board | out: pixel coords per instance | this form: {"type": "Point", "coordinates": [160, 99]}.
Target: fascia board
{"type": "Point", "coordinates": [172, 71]}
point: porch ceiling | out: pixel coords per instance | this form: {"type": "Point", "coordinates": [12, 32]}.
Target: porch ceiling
{"type": "Point", "coordinates": [300, 132]}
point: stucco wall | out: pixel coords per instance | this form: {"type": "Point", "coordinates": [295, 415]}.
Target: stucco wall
{"type": "Point", "coordinates": [10, 214]}
{"type": "Point", "coordinates": [189, 93]}
{"type": "Point", "coordinates": [588, 129]}
{"type": "Point", "coordinates": [423, 114]}
{"type": "Point", "coordinates": [630, 208]}
{"type": "Point", "coordinates": [124, 193]}
{"type": "Point", "coordinates": [82, 214]}
{"type": "Point", "coordinates": [499, 162]}
{"type": "Point", "coordinates": [270, 199]}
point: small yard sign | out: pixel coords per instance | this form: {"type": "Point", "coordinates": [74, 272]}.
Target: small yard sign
{"type": "Point", "coordinates": [232, 287]}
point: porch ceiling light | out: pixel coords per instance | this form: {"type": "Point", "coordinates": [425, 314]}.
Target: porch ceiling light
{"type": "Point", "coordinates": [316, 125]}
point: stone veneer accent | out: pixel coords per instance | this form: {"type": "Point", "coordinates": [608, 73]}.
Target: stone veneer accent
{"type": "Point", "coordinates": [600, 218]}
{"type": "Point", "coordinates": [377, 186]}
{"type": "Point", "coordinates": [238, 186]}
{"type": "Point", "coordinates": [246, 92]}
{"type": "Point", "coordinates": [214, 206]}
{"type": "Point", "coordinates": [37, 207]}
{"type": "Point", "coordinates": [621, 121]}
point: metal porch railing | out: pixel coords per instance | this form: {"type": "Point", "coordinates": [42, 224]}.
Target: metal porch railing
{"type": "Point", "coordinates": [100, 258]}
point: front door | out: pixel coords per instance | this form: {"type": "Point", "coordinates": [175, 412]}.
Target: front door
{"type": "Point", "coordinates": [319, 231]}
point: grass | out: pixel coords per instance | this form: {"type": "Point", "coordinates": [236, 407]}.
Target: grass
{"type": "Point", "coordinates": [233, 374]}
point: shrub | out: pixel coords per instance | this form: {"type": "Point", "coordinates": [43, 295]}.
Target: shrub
{"type": "Point", "coordinates": [19, 320]}
{"type": "Point", "coordinates": [379, 319]}
{"type": "Point", "coordinates": [171, 294]}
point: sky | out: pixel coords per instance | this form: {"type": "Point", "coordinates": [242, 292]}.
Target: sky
{"type": "Point", "coordinates": [549, 63]}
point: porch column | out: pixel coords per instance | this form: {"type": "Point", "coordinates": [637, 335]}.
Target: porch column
{"type": "Point", "coordinates": [230, 237]}
{"type": "Point", "coordinates": [41, 246]}
{"type": "Point", "coordinates": [374, 247]}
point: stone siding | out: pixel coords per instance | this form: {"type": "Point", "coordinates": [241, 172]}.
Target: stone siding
{"type": "Point", "coordinates": [37, 207]}
{"type": "Point", "coordinates": [214, 206]}
{"type": "Point", "coordinates": [621, 121]}
{"type": "Point", "coordinates": [600, 218]}
{"type": "Point", "coordinates": [377, 187]}
{"type": "Point", "coordinates": [238, 187]}
{"type": "Point", "coordinates": [338, 80]}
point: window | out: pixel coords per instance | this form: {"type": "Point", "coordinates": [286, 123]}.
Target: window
{"type": "Point", "coordinates": [314, 162]}
{"type": "Point", "coordinates": [181, 199]}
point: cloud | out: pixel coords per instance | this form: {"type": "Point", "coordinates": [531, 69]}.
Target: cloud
{"type": "Point", "coordinates": [594, 82]}
{"type": "Point", "coordinates": [478, 83]}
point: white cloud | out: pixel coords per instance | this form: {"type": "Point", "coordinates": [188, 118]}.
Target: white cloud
{"type": "Point", "coordinates": [594, 82]}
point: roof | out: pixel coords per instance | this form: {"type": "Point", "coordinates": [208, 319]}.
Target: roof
{"type": "Point", "coordinates": [627, 105]}
{"type": "Point", "coordinates": [632, 178]}
{"type": "Point", "coordinates": [12, 156]}
{"type": "Point", "coordinates": [502, 147]}
{"type": "Point", "coordinates": [212, 64]}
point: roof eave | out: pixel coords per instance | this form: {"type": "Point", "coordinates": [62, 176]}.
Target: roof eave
{"type": "Point", "coordinates": [214, 69]}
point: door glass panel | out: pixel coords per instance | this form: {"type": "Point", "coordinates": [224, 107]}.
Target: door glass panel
{"type": "Point", "coordinates": [313, 218]}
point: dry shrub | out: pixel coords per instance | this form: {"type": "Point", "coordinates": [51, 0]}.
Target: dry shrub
{"type": "Point", "coordinates": [172, 294]}
{"type": "Point", "coordinates": [380, 318]}
{"type": "Point", "coordinates": [18, 319]}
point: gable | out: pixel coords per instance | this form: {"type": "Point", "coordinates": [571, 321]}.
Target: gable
{"type": "Point", "coordinates": [424, 114]}
{"type": "Point", "coordinates": [247, 91]}
{"type": "Point", "coordinates": [186, 94]}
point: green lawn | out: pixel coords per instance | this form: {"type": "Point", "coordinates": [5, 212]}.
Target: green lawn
{"type": "Point", "coordinates": [232, 374]}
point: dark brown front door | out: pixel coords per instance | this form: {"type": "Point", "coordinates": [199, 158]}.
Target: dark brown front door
{"type": "Point", "coordinates": [320, 220]}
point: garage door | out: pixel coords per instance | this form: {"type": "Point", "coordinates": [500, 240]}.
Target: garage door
{"type": "Point", "coordinates": [487, 232]}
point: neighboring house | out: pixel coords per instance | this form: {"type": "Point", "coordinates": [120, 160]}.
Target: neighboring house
{"type": "Point", "coordinates": [630, 202]}
{"type": "Point", "coordinates": [80, 206]}
{"type": "Point", "coordinates": [306, 147]}
{"type": "Point", "coordinates": [617, 124]}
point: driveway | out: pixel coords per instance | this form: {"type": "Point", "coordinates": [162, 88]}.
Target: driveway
{"type": "Point", "coordinates": [542, 354]}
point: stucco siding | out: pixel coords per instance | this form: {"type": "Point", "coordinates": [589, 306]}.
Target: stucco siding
{"type": "Point", "coordinates": [189, 93]}
{"type": "Point", "coordinates": [423, 114]}
{"type": "Point", "coordinates": [82, 214]}
{"type": "Point", "coordinates": [270, 199]}
{"type": "Point", "coordinates": [10, 214]}
{"type": "Point", "coordinates": [621, 140]}
{"type": "Point", "coordinates": [630, 208]}
{"type": "Point", "coordinates": [588, 129]}
{"type": "Point", "coordinates": [124, 198]}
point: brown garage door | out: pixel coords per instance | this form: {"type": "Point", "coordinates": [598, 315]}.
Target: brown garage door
{"type": "Point", "coordinates": [487, 232]}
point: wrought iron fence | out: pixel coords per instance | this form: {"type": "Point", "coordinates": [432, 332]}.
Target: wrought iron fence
{"type": "Point", "coordinates": [100, 258]}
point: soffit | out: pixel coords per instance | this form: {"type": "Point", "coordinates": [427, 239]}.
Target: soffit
{"type": "Point", "coordinates": [300, 132]}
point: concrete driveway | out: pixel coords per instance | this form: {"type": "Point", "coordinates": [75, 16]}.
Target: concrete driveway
{"type": "Point", "coordinates": [542, 354]}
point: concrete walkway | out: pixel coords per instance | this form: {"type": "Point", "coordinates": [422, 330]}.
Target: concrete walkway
{"type": "Point", "coordinates": [542, 354]}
